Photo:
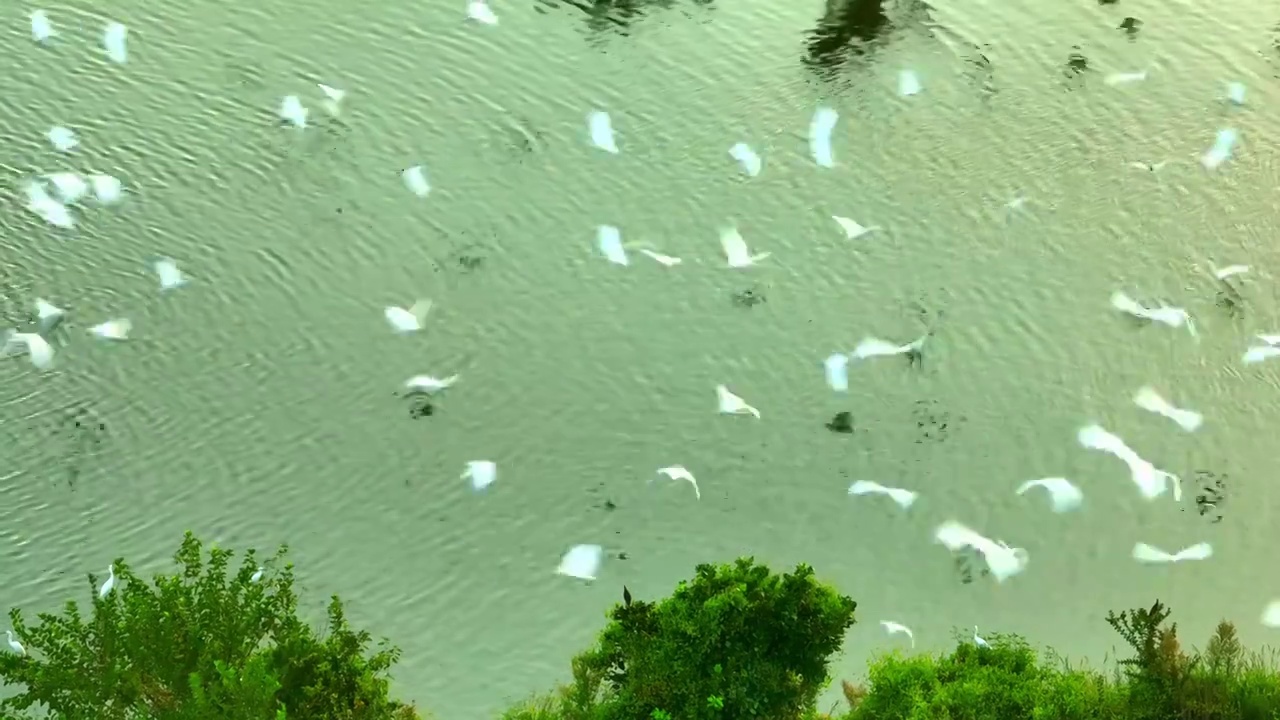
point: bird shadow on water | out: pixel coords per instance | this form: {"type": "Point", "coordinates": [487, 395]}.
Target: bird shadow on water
{"type": "Point", "coordinates": [618, 16]}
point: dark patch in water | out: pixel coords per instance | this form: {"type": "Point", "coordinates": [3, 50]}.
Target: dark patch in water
{"type": "Point", "coordinates": [842, 423]}
{"type": "Point", "coordinates": [849, 29]}
{"type": "Point", "coordinates": [934, 424]}
{"type": "Point", "coordinates": [1131, 26]}
{"type": "Point", "coordinates": [617, 16]}
{"type": "Point", "coordinates": [1211, 494]}
{"type": "Point", "coordinates": [748, 298]}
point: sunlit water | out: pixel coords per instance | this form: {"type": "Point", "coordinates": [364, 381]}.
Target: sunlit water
{"type": "Point", "coordinates": [257, 405]}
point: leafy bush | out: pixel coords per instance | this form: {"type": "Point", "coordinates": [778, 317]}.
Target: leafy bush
{"type": "Point", "coordinates": [196, 645]}
{"type": "Point", "coordinates": [737, 641]}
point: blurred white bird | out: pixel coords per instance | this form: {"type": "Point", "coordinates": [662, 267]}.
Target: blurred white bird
{"type": "Point", "coordinates": [1235, 93]}
{"type": "Point", "coordinates": [1148, 399]}
{"type": "Point", "coordinates": [1271, 614]}
{"type": "Point", "coordinates": [747, 158]}
{"type": "Point", "coordinates": [679, 472]}
{"type": "Point", "coordinates": [1259, 353]}
{"type": "Point", "coordinates": [1145, 553]}
{"type": "Point", "coordinates": [167, 271]}
{"type": "Point", "coordinates": [114, 39]}
{"type": "Point", "coordinates": [1003, 561]}
{"type": "Point", "coordinates": [14, 645]}
{"type": "Point", "coordinates": [1063, 495]}
{"type": "Point", "coordinates": [36, 347]}
{"type": "Point", "coordinates": [821, 128]}
{"type": "Point", "coordinates": [1125, 78]}
{"type": "Point", "coordinates": [407, 320]}
{"type": "Point", "coordinates": [48, 315]}
{"type": "Point", "coordinates": [581, 562]}
{"type": "Point", "coordinates": [428, 384]}
{"type": "Point", "coordinates": [1230, 271]}
{"type": "Point", "coordinates": [332, 98]}
{"type": "Point", "coordinates": [41, 29]}
{"type": "Point", "coordinates": [908, 83]}
{"type": "Point", "coordinates": [293, 112]}
{"type": "Point", "coordinates": [837, 370]}
{"type": "Point", "coordinates": [107, 190]}
{"type": "Point", "coordinates": [600, 129]}
{"type": "Point", "coordinates": [480, 11]}
{"type": "Point", "coordinates": [977, 639]}
{"type": "Point", "coordinates": [895, 628]}
{"type": "Point", "coordinates": [415, 178]}
{"type": "Point", "coordinates": [609, 241]}
{"type": "Point", "coordinates": [63, 139]}
{"type": "Point", "coordinates": [481, 473]}
{"type": "Point", "coordinates": [1223, 147]}
{"type": "Point", "coordinates": [257, 574]}
{"type": "Point", "coordinates": [871, 347]}
{"type": "Point", "coordinates": [110, 583]}
{"type": "Point", "coordinates": [70, 187]}
{"type": "Point", "coordinates": [42, 204]}
{"type": "Point", "coordinates": [736, 251]}
{"type": "Point", "coordinates": [904, 498]}
{"type": "Point", "coordinates": [664, 260]}
{"type": "Point", "coordinates": [731, 404]}
{"type": "Point", "coordinates": [852, 229]}
{"type": "Point", "coordinates": [117, 329]}
{"type": "Point", "coordinates": [1151, 482]}
{"type": "Point", "coordinates": [1164, 314]}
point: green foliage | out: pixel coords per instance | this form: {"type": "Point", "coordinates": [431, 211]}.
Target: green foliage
{"type": "Point", "coordinates": [197, 644]}
{"type": "Point", "coordinates": [736, 641]}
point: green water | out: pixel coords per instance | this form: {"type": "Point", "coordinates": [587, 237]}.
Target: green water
{"type": "Point", "coordinates": [257, 405]}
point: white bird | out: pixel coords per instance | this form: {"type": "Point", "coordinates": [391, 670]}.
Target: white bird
{"type": "Point", "coordinates": [293, 111]}
{"type": "Point", "coordinates": [36, 347]}
{"type": "Point", "coordinates": [1148, 399]}
{"type": "Point", "coordinates": [1229, 271]}
{"type": "Point", "coordinates": [1003, 561]}
{"type": "Point", "coordinates": [747, 158]}
{"type": "Point", "coordinates": [41, 29]}
{"type": "Point", "coordinates": [679, 472]}
{"type": "Point", "coordinates": [903, 497]}
{"type": "Point", "coordinates": [852, 229]}
{"type": "Point", "coordinates": [908, 83]}
{"type": "Point", "coordinates": [871, 347]}
{"type": "Point", "coordinates": [114, 40]}
{"type": "Point", "coordinates": [736, 252]}
{"type": "Point", "coordinates": [1063, 494]}
{"type": "Point", "coordinates": [117, 329]}
{"type": "Point", "coordinates": [110, 583]}
{"type": "Point", "coordinates": [167, 271]}
{"type": "Point", "coordinates": [332, 98]}
{"type": "Point", "coordinates": [428, 384]}
{"type": "Point", "coordinates": [1223, 146]}
{"type": "Point", "coordinates": [837, 369]}
{"type": "Point", "coordinates": [1269, 338]}
{"type": "Point", "coordinates": [581, 562]}
{"type": "Point", "coordinates": [1151, 482]}
{"type": "Point", "coordinates": [415, 178]}
{"type": "Point", "coordinates": [48, 315]}
{"type": "Point", "coordinates": [1125, 78]}
{"type": "Point", "coordinates": [1145, 553]}
{"type": "Point", "coordinates": [895, 628]}
{"type": "Point", "coordinates": [664, 260]}
{"type": "Point", "coordinates": [70, 187]}
{"type": "Point", "coordinates": [480, 11]}
{"type": "Point", "coordinates": [820, 129]}
{"type": "Point", "coordinates": [62, 138]}
{"type": "Point", "coordinates": [407, 320]}
{"type": "Point", "coordinates": [106, 188]}
{"type": "Point", "coordinates": [1259, 353]}
{"type": "Point", "coordinates": [600, 128]}
{"type": "Point", "coordinates": [1164, 314]}
{"type": "Point", "coordinates": [977, 639]}
{"type": "Point", "coordinates": [1235, 93]}
{"type": "Point", "coordinates": [731, 404]}
{"type": "Point", "coordinates": [481, 473]}
{"type": "Point", "coordinates": [609, 241]}
{"type": "Point", "coordinates": [1271, 614]}
{"type": "Point", "coordinates": [14, 644]}
{"type": "Point", "coordinates": [50, 210]}
{"type": "Point", "coordinates": [257, 574]}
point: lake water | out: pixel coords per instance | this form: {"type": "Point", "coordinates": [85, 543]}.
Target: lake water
{"type": "Point", "coordinates": [258, 404]}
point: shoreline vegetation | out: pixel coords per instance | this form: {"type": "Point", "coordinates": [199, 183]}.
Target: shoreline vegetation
{"type": "Point", "coordinates": [737, 641]}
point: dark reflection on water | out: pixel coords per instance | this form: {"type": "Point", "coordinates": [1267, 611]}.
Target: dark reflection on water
{"type": "Point", "coordinates": [849, 29]}
{"type": "Point", "coordinates": [617, 16]}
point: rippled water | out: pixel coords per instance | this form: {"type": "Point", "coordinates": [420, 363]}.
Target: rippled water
{"type": "Point", "coordinates": [257, 405]}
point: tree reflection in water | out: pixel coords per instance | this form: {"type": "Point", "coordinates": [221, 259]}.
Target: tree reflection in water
{"type": "Point", "coordinates": [617, 16]}
{"type": "Point", "coordinates": [849, 29]}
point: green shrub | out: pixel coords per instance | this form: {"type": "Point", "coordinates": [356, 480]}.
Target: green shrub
{"type": "Point", "coordinates": [198, 644]}
{"type": "Point", "coordinates": [737, 641]}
